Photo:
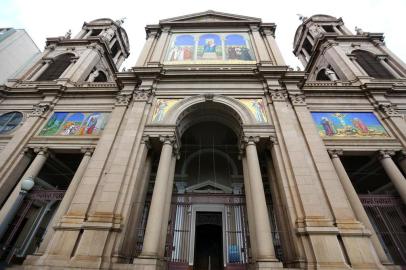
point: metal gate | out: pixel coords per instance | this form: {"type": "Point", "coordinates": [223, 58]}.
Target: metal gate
{"type": "Point", "coordinates": [388, 216]}
{"type": "Point", "coordinates": [236, 237]}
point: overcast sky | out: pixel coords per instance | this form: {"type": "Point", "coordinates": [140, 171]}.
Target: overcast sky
{"type": "Point", "coordinates": [49, 18]}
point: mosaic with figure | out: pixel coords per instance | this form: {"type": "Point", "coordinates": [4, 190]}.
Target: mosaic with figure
{"type": "Point", "coordinates": [348, 124]}
{"type": "Point", "coordinates": [75, 124]}
{"type": "Point", "coordinates": [210, 48]}
{"type": "Point", "coordinates": [162, 107]}
{"type": "Point", "coordinates": [257, 108]}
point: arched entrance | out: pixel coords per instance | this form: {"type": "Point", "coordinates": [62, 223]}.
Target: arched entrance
{"type": "Point", "coordinates": [208, 217]}
{"type": "Point", "coordinates": [208, 177]}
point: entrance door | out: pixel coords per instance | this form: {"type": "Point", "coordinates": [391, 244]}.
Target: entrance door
{"type": "Point", "coordinates": [208, 253]}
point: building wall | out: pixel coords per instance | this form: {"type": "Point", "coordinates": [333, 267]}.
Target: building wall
{"type": "Point", "coordinates": [17, 53]}
{"type": "Point", "coordinates": [267, 104]}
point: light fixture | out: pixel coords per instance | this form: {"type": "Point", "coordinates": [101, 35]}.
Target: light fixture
{"type": "Point", "coordinates": [27, 184]}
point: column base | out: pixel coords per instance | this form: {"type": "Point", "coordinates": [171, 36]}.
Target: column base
{"type": "Point", "coordinates": [148, 264]}
{"type": "Point", "coordinates": [268, 265]}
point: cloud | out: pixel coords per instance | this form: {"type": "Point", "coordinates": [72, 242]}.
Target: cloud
{"type": "Point", "coordinates": [46, 18]}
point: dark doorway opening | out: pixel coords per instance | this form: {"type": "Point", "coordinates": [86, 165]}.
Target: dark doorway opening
{"type": "Point", "coordinates": [208, 241]}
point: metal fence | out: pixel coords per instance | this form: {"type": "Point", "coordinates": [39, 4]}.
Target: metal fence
{"type": "Point", "coordinates": [388, 216]}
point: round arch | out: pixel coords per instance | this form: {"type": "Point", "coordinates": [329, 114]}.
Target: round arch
{"type": "Point", "coordinates": [219, 108]}
{"type": "Point", "coordinates": [217, 152]}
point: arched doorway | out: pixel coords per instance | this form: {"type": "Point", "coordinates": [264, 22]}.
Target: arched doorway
{"type": "Point", "coordinates": [208, 219]}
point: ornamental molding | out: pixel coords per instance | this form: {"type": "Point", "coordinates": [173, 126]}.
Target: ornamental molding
{"type": "Point", "coordinates": [39, 110]}
{"type": "Point", "coordinates": [278, 95]}
{"type": "Point", "coordinates": [298, 99]}
{"type": "Point", "coordinates": [385, 154]}
{"type": "Point", "coordinates": [123, 99]}
{"type": "Point", "coordinates": [143, 94]}
{"type": "Point", "coordinates": [335, 153]}
{"type": "Point", "coordinates": [389, 110]}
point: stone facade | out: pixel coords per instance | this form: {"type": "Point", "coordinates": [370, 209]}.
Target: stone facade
{"type": "Point", "coordinates": [120, 141]}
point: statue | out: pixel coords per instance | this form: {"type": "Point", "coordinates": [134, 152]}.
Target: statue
{"type": "Point", "coordinates": [93, 76]}
{"type": "Point", "coordinates": [331, 74]}
{"type": "Point", "coordinates": [68, 34]}
{"type": "Point", "coordinates": [121, 21]}
{"type": "Point", "coordinates": [108, 34]}
{"type": "Point", "coordinates": [359, 31]}
{"type": "Point", "coordinates": [302, 17]}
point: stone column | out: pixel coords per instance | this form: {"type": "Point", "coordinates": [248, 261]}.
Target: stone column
{"type": "Point", "coordinates": [160, 46]}
{"type": "Point", "coordinates": [195, 50]}
{"type": "Point", "coordinates": [156, 212]}
{"type": "Point", "coordinates": [8, 210]}
{"type": "Point", "coordinates": [361, 71]}
{"type": "Point", "coordinates": [269, 35]}
{"type": "Point", "coordinates": [250, 210]}
{"type": "Point", "coordinates": [392, 117]}
{"type": "Point", "coordinates": [402, 160]}
{"type": "Point", "coordinates": [67, 198]}
{"type": "Point", "coordinates": [356, 204]}
{"type": "Point", "coordinates": [306, 54]}
{"type": "Point", "coordinates": [168, 202]}
{"type": "Point", "coordinates": [260, 45]}
{"type": "Point", "coordinates": [41, 70]}
{"type": "Point", "coordinates": [382, 60]}
{"type": "Point", "coordinates": [147, 48]}
{"type": "Point", "coordinates": [223, 48]}
{"type": "Point", "coordinates": [10, 157]}
{"type": "Point", "coordinates": [265, 249]}
{"type": "Point", "coordinates": [394, 174]}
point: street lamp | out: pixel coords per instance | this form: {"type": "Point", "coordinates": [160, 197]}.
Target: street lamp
{"type": "Point", "coordinates": [26, 185]}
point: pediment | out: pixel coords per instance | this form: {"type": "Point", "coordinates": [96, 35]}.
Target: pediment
{"type": "Point", "coordinates": [209, 186]}
{"type": "Point", "coordinates": [210, 16]}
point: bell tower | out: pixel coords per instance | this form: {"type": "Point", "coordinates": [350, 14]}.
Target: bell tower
{"type": "Point", "coordinates": [331, 52]}
{"type": "Point", "coordinates": [93, 55]}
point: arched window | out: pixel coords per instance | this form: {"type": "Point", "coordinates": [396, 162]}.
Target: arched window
{"type": "Point", "coordinates": [55, 70]}
{"type": "Point", "coordinates": [371, 65]}
{"type": "Point", "coordinates": [10, 121]}
{"type": "Point", "coordinates": [101, 77]}
{"type": "Point", "coordinates": [321, 76]}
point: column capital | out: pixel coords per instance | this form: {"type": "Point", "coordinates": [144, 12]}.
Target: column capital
{"type": "Point", "coordinates": [39, 110]}
{"type": "Point", "coordinates": [168, 139]}
{"type": "Point", "coordinates": [297, 99]}
{"type": "Point", "coordinates": [401, 155]}
{"type": "Point", "coordinates": [248, 140]}
{"type": "Point", "coordinates": [274, 140]}
{"type": "Point", "coordinates": [145, 140]}
{"type": "Point", "coordinates": [352, 57]}
{"type": "Point", "coordinates": [41, 151]}
{"type": "Point", "coordinates": [389, 110]}
{"type": "Point", "coordinates": [381, 57]}
{"type": "Point", "coordinates": [87, 151]}
{"type": "Point", "coordinates": [382, 154]}
{"type": "Point", "coordinates": [278, 95]}
{"type": "Point", "coordinates": [335, 153]}
{"type": "Point", "coordinates": [123, 99]}
{"type": "Point", "coordinates": [27, 151]}
{"type": "Point", "coordinates": [254, 28]}
{"type": "Point", "coordinates": [143, 94]}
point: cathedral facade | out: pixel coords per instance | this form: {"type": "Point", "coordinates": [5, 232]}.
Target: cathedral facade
{"type": "Point", "coordinates": [210, 153]}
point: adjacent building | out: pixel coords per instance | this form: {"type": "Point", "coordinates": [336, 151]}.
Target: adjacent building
{"type": "Point", "coordinates": [210, 153]}
{"type": "Point", "coordinates": [17, 52]}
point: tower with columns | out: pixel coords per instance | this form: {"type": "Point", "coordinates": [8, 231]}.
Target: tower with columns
{"type": "Point", "coordinates": [209, 153]}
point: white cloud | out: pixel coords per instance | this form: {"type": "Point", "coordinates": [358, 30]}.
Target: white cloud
{"type": "Point", "coordinates": [46, 18]}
